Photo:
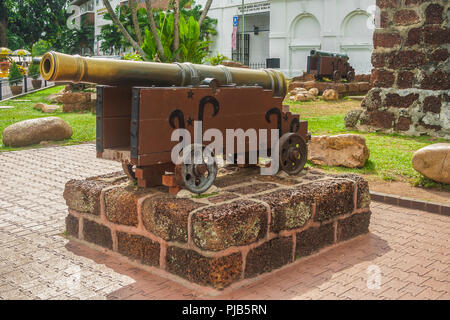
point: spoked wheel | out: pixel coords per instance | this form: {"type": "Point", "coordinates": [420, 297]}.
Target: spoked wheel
{"type": "Point", "coordinates": [350, 76]}
{"type": "Point", "coordinates": [336, 75]}
{"type": "Point", "coordinates": [293, 153]}
{"type": "Point", "coordinates": [198, 168]}
{"type": "Point", "coordinates": [129, 170]}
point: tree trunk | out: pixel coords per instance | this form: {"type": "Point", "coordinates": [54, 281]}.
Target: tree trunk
{"type": "Point", "coordinates": [3, 24]}
{"type": "Point", "coordinates": [153, 30]}
{"type": "Point", "coordinates": [3, 40]}
{"type": "Point", "coordinates": [204, 12]}
{"type": "Point", "coordinates": [134, 18]}
{"type": "Point", "coordinates": [122, 29]}
{"type": "Point", "coordinates": [176, 30]}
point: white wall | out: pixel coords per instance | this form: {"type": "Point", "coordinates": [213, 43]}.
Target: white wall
{"type": "Point", "coordinates": [297, 26]}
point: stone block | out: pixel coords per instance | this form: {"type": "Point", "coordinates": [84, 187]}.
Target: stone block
{"type": "Point", "coordinates": [403, 124]}
{"type": "Point", "coordinates": [97, 234]}
{"type": "Point", "coordinates": [215, 272]}
{"type": "Point", "coordinates": [386, 40]}
{"type": "Point", "coordinates": [382, 78]}
{"type": "Point", "coordinates": [433, 14]}
{"type": "Point", "coordinates": [405, 17]}
{"type": "Point", "coordinates": [167, 217]}
{"type": "Point", "coordinates": [313, 239]}
{"type": "Point", "coordinates": [268, 256]}
{"type": "Point", "coordinates": [289, 208]}
{"type": "Point", "coordinates": [353, 226]}
{"type": "Point", "coordinates": [436, 35]}
{"type": "Point", "coordinates": [138, 248]}
{"type": "Point", "coordinates": [84, 195]}
{"type": "Point", "coordinates": [121, 206]}
{"type": "Point", "coordinates": [405, 79]}
{"type": "Point", "coordinates": [238, 223]}
{"type": "Point", "coordinates": [363, 194]}
{"type": "Point", "coordinates": [332, 197]}
{"type": "Point", "coordinates": [72, 225]}
{"type": "Point", "coordinates": [432, 104]}
{"type": "Point", "coordinates": [397, 101]}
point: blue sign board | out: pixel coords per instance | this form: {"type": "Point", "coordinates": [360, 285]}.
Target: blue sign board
{"type": "Point", "coordinates": [235, 21]}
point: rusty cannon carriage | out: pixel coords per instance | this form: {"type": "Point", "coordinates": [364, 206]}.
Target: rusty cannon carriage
{"type": "Point", "coordinates": [140, 104]}
{"type": "Point", "coordinates": [331, 65]}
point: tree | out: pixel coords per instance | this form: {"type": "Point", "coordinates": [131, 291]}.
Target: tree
{"type": "Point", "coordinates": [125, 33]}
{"type": "Point", "coordinates": [204, 12]}
{"type": "Point", "coordinates": [153, 29]}
{"type": "Point", "coordinates": [3, 23]}
{"type": "Point", "coordinates": [40, 47]}
{"type": "Point", "coordinates": [163, 39]}
{"type": "Point", "coordinates": [31, 20]}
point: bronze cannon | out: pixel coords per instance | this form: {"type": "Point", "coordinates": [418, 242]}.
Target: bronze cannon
{"type": "Point", "coordinates": [140, 104]}
{"type": "Point", "coordinates": [331, 65]}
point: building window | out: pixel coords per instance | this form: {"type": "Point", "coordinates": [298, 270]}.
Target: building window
{"type": "Point", "coordinates": [237, 54]}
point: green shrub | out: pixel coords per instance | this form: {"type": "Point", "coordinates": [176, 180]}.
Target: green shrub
{"type": "Point", "coordinates": [40, 47]}
{"type": "Point", "coordinates": [34, 71]}
{"type": "Point", "coordinates": [15, 76]}
{"type": "Point", "coordinates": [217, 59]}
{"type": "Point", "coordinates": [133, 57]}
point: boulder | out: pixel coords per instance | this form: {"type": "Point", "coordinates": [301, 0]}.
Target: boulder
{"type": "Point", "coordinates": [314, 91]}
{"type": "Point", "coordinates": [330, 95]}
{"type": "Point", "coordinates": [55, 97]}
{"type": "Point", "coordinates": [76, 101]}
{"type": "Point", "coordinates": [352, 117]}
{"type": "Point", "coordinates": [39, 106]}
{"type": "Point", "coordinates": [433, 162]}
{"type": "Point", "coordinates": [34, 131]}
{"type": "Point", "coordinates": [50, 108]}
{"type": "Point", "coordinates": [305, 96]}
{"type": "Point", "coordinates": [347, 150]}
{"type": "Point", "coordinates": [70, 97]}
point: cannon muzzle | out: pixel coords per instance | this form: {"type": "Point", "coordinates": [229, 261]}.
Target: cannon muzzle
{"type": "Point", "coordinates": [62, 67]}
{"type": "Point", "coordinates": [317, 53]}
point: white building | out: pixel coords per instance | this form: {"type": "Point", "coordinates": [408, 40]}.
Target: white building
{"type": "Point", "coordinates": [283, 29]}
{"type": "Point", "coordinates": [289, 29]}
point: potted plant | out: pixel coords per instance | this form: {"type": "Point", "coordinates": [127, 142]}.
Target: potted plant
{"type": "Point", "coordinates": [34, 73]}
{"type": "Point", "coordinates": [15, 79]}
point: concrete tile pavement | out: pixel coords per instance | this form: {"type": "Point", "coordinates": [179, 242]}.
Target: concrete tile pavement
{"type": "Point", "coordinates": [406, 255]}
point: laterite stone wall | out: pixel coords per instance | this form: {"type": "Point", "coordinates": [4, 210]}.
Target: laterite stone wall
{"type": "Point", "coordinates": [254, 225]}
{"type": "Point", "coordinates": [411, 75]}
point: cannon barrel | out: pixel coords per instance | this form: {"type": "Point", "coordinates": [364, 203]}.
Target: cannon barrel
{"type": "Point", "coordinates": [317, 53]}
{"type": "Point", "coordinates": [62, 67]}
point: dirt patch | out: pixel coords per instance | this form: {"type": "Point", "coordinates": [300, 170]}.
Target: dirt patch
{"type": "Point", "coordinates": [321, 108]}
{"type": "Point", "coordinates": [404, 189]}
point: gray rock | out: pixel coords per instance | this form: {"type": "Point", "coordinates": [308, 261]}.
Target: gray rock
{"type": "Point", "coordinates": [352, 117]}
{"type": "Point", "coordinates": [34, 131]}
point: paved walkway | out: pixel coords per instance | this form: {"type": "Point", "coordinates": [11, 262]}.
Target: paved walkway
{"type": "Point", "coordinates": [406, 255]}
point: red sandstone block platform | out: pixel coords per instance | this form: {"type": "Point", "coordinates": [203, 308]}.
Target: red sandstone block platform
{"type": "Point", "coordinates": [344, 89]}
{"type": "Point", "coordinates": [253, 225]}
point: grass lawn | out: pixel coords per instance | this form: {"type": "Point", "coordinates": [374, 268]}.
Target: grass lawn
{"type": "Point", "coordinates": [83, 124]}
{"type": "Point", "coordinates": [390, 154]}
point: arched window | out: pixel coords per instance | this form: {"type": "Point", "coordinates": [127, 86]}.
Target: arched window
{"type": "Point", "coordinates": [356, 40]}
{"type": "Point", "coordinates": [305, 33]}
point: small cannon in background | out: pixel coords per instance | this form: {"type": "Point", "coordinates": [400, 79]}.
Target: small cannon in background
{"type": "Point", "coordinates": [331, 65]}
{"type": "Point", "coordinates": [140, 104]}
